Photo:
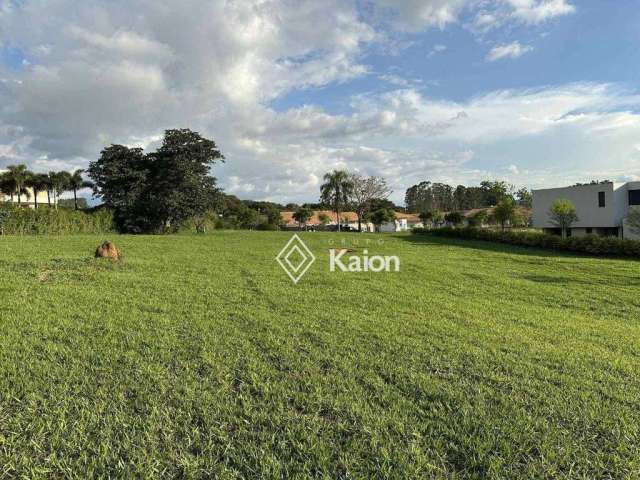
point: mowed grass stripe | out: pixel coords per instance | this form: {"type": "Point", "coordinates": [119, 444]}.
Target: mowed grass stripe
{"type": "Point", "coordinates": [196, 356]}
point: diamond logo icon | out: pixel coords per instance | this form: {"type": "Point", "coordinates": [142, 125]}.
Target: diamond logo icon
{"type": "Point", "coordinates": [295, 258]}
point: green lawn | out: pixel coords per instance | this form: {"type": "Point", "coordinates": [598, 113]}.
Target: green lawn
{"type": "Point", "coordinates": [197, 357]}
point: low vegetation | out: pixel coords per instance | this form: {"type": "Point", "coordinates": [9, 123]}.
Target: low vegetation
{"type": "Point", "coordinates": [591, 244]}
{"type": "Point", "coordinates": [15, 220]}
{"type": "Point", "coordinates": [196, 357]}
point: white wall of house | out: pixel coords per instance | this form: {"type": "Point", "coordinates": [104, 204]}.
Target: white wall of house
{"type": "Point", "coordinates": [585, 199]}
{"type": "Point", "coordinates": [26, 200]}
{"type": "Point", "coordinates": [618, 199]}
{"type": "Point", "coordinates": [398, 225]}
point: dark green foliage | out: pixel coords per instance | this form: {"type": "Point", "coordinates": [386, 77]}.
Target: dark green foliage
{"type": "Point", "coordinates": [158, 191]}
{"type": "Point", "coordinates": [248, 214]}
{"type": "Point", "coordinates": [267, 226]}
{"type": "Point", "coordinates": [524, 197]}
{"type": "Point", "coordinates": [302, 215]}
{"type": "Point", "coordinates": [591, 244]}
{"type": "Point", "coordinates": [15, 220]}
{"type": "Point", "coordinates": [439, 196]}
{"type": "Point", "coordinates": [71, 203]}
{"type": "Point", "coordinates": [381, 216]}
{"type": "Point", "coordinates": [454, 218]}
{"type": "Point", "coordinates": [505, 212]}
{"type": "Point", "coordinates": [479, 218]}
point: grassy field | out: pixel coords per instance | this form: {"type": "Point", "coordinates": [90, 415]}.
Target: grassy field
{"type": "Point", "coordinates": [197, 357]}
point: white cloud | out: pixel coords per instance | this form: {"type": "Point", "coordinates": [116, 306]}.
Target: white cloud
{"type": "Point", "coordinates": [538, 11]}
{"type": "Point", "coordinates": [416, 15]}
{"type": "Point", "coordinates": [437, 49]}
{"type": "Point", "coordinates": [103, 72]}
{"type": "Point", "coordinates": [511, 50]}
{"type": "Point", "coordinates": [548, 136]}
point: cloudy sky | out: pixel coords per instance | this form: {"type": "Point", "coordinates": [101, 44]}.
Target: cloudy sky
{"type": "Point", "coordinates": [535, 92]}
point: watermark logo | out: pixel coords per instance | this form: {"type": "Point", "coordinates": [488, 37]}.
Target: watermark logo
{"type": "Point", "coordinates": [295, 258]}
{"type": "Point", "coordinates": [362, 263]}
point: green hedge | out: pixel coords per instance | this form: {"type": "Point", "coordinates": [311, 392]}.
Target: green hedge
{"type": "Point", "coordinates": [591, 244]}
{"type": "Point", "coordinates": [16, 220]}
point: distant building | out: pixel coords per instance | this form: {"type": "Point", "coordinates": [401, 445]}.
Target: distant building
{"type": "Point", "coordinates": [402, 223]}
{"type": "Point", "coordinates": [27, 200]}
{"type": "Point", "coordinates": [602, 208]}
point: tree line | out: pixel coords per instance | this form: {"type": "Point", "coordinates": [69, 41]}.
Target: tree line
{"type": "Point", "coordinates": [172, 187]}
{"type": "Point", "coordinates": [17, 180]}
{"type": "Point", "coordinates": [428, 196]}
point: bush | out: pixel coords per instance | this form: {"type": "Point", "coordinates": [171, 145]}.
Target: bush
{"type": "Point", "coordinates": [16, 220]}
{"type": "Point", "coordinates": [201, 223]}
{"type": "Point", "coordinates": [591, 244]}
{"type": "Point", "coordinates": [267, 226]}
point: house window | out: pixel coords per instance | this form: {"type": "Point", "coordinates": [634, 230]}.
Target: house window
{"type": "Point", "coordinates": [589, 230]}
{"type": "Point", "coordinates": [634, 197]}
{"type": "Point", "coordinates": [601, 200]}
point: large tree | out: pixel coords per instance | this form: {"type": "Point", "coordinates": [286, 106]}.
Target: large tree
{"type": "Point", "coordinates": [159, 190]}
{"type": "Point", "coordinates": [336, 191]}
{"type": "Point", "coordinates": [563, 214]}
{"type": "Point", "coordinates": [366, 190]}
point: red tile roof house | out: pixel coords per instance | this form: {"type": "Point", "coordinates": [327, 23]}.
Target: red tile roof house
{"type": "Point", "coordinates": [402, 223]}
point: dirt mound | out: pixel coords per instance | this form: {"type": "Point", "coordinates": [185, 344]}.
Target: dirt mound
{"type": "Point", "coordinates": [107, 250]}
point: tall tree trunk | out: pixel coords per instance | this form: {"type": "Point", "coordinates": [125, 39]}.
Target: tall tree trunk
{"type": "Point", "coordinates": [338, 217]}
{"type": "Point", "coordinates": [359, 222]}
{"type": "Point", "coordinates": [75, 198]}
{"type": "Point", "coordinates": [19, 198]}
{"type": "Point", "coordinates": [49, 197]}
{"type": "Point", "coordinates": [11, 197]}
{"type": "Point", "coordinates": [35, 198]}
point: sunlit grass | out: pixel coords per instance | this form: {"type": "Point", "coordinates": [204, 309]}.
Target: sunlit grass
{"type": "Point", "coordinates": [196, 356]}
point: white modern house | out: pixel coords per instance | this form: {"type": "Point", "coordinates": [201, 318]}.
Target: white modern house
{"type": "Point", "coordinates": [404, 222]}
{"type": "Point", "coordinates": [602, 208]}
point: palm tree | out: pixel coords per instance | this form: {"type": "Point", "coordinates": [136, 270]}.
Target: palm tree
{"type": "Point", "coordinates": [76, 182]}
{"type": "Point", "coordinates": [18, 178]}
{"type": "Point", "coordinates": [6, 185]}
{"type": "Point", "coordinates": [39, 182]}
{"type": "Point", "coordinates": [59, 182]}
{"type": "Point", "coordinates": [335, 191]}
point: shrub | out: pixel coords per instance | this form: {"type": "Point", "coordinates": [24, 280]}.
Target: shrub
{"type": "Point", "coordinates": [454, 218]}
{"type": "Point", "coordinates": [267, 226]}
{"type": "Point", "coordinates": [16, 220]}
{"type": "Point", "coordinates": [591, 244]}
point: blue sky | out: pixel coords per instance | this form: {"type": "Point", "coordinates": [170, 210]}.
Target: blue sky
{"type": "Point", "coordinates": [534, 92]}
